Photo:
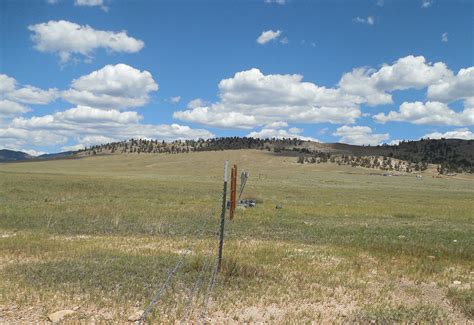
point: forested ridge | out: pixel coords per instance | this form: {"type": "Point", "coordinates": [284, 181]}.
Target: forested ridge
{"type": "Point", "coordinates": [452, 155]}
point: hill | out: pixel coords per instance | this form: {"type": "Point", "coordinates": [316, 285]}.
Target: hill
{"type": "Point", "coordinates": [11, 155]}
{"type": "Point", "coordinates": [58, 155]}
{"type": "Point", "coordinates": [452, 155]}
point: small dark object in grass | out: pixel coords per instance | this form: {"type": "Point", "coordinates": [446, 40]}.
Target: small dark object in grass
{"type": "Point", "coordinates": [404, 216]}
{"type": "Point", "coordinates": [279, 206]}
{"type": "Point", "coordinates": [248, 203]}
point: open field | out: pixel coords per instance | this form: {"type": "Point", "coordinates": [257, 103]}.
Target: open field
{"type": "Point", "coordinates": [100, 234]}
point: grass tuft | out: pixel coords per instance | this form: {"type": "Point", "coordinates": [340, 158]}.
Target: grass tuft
{"type": "Point", "coordinates": [463, 300]}
{"type": "Point", "coordinates": [233, 267]}
{"type": "Point", "coordinates": [402, 314]}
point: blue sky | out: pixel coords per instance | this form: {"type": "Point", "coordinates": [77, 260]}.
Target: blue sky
{"type": "Point", "coordinates": [79, 72]}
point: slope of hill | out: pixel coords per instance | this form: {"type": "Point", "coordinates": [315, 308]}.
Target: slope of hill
{"type": "Point", "coordinates": [452, 155]}
{"type": "Point", "coordinates": [11, 155]}
{"type": "Point", "coordinates": [58, 155]}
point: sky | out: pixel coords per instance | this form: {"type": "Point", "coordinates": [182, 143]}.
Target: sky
{"type": "Point", "coordinates": [75, 73]}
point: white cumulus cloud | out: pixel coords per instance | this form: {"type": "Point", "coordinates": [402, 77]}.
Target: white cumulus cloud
{"type": "Point", "coordinates": [87, 125]}
{"type": "Point", "coordinates": [26, 94]}
{"type": "Point", "coordinates": [7, 84]}
{"type": "Point", "coordinates": [66, 38]}
{"type": "Point", "coordinates": [91, 3]}
{"type": "Point", "coordinates": [197, 102]}
{"type": "Point", "coordinates": [9, 108]}
{"type": "Point", "coordinates": [445, 37]}
{"type": "Point", "coordinates": [269, 133]}
{"type": "Point", "coordinates": [74, 147]}
{"type": "Point", "coordinates": [101, 98]}
{"type": "Point", "coordinates": [276, 125]}
{"type": "Point", "coordinates": [462, 133]}
{"type": "Point", "coordinates": [33, 95]}
{"type": "Point", "coordinates": [407, 72]}
{"type": "Point", "coordinates": [174, 99]}
{"type": "Point", "coordinates": [18, 138]}
{"type": "Point", "coordinates": [269, 35]}
{"type": "Point", "coordinates": [434, 113]}
{"type": "Point", "coordinates": [426, 3]}
{"type": "Point", "coordinates": [369, 20]}
{"type": "Point", "coordinates": [251, 98]}
{"type": "Point", "coordinates": [114, 86]}
{"type": "Point", "coordinates": [360, 135]}
{"type": "Point", "coordinates": [453, 87]}
{"type": "Point", "coordinates": [280, 2]}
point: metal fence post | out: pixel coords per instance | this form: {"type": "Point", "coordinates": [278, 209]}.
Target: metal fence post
{"type": "Point", "coordinates": [224, 197]}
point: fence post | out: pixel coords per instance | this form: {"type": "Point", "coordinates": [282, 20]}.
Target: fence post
{"type": "Point", "coordinates": [224, 197]}
{"type": "Point", "coordinates": [233, 191]}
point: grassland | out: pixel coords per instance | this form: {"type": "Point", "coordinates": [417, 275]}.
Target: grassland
{"type": "Point", "coordinates": [99, 235]}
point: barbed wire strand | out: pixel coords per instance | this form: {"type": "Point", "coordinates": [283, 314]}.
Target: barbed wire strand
{"type": "Point", "coordinates": [212, 282]}
{"type": "Point", "coordinates": [213, 278]}
{"type": "Point", "coordinates": [210, 286]}
{"type": "Point", "coordinates": [199, 280]}
{"type": "Point", "coordinates": [171, 274]}
{"type": "Point", "coordinates": [209, 263]}
{"type": "Point", "coordinates": [198, 283]}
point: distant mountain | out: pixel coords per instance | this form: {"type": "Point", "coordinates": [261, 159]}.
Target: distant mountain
{"type": "Point", "coordinates": [57, 155]}
{"type": "Point", "coordinates": [10, 155]}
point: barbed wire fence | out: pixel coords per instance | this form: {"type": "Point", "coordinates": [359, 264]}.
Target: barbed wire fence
{"type": "Point", "coordinates": [209, 265]}
{"type": "Point", "coordinates": [206, 266]}
{"type": "Point", "coordinates": [172, 272]}
{"type": "Point", "coordinates": [210, 287]}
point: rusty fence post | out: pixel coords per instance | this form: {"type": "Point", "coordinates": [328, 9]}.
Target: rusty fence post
{"type": "Point", "coordinates": [233, 191]}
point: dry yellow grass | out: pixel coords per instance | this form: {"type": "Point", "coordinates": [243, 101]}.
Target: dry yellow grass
{"type": "Point", "coordinates": [99, 235]}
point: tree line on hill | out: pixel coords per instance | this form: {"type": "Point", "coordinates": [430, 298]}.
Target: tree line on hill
{"type": "Point", "coordinates": [186, 146]}
{"type": "Point", "coordinates": [451, 155]}
{"type": "Point", "coordinates": [383, 163]}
